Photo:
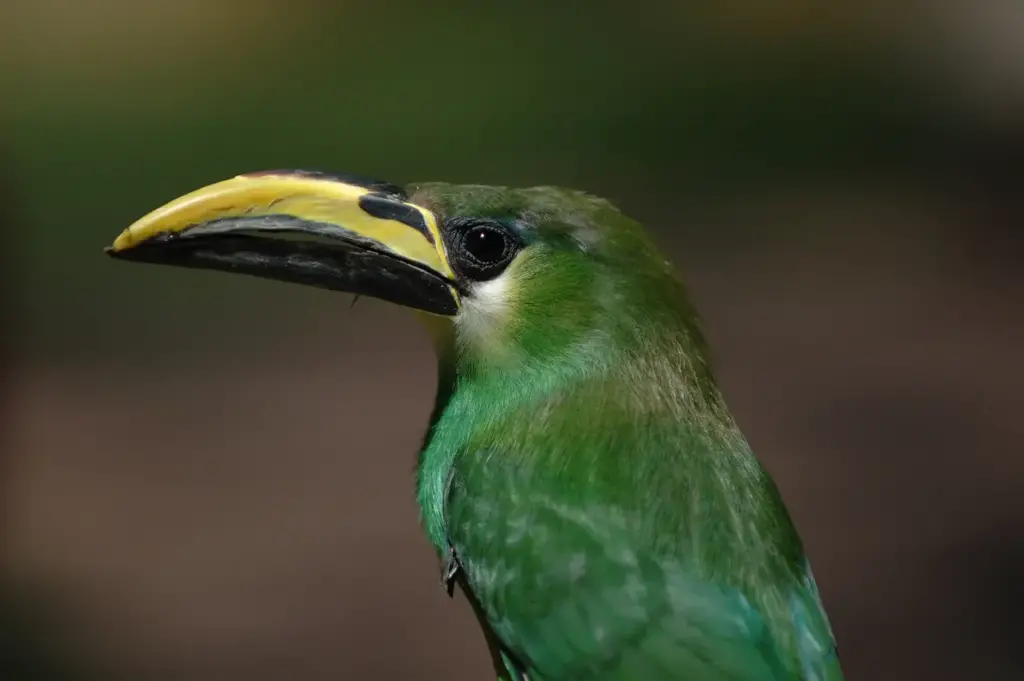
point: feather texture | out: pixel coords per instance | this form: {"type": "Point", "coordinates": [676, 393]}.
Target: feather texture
{"type": "Point", "coordinates": [609, 518]}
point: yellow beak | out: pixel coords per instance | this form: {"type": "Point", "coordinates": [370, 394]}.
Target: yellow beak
{"type": "Point", "coordinates": [336, 232]}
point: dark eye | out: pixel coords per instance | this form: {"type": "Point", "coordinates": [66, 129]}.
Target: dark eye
{"type": "Point", "coordinates": [482, 250]}
{"type": "Point", "coordinates": [486, 244]}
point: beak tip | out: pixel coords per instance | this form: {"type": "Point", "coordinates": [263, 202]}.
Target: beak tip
{"type": "Point", "coordinates": [123, 242]}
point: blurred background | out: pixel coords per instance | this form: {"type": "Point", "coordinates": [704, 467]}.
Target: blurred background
{"type": "Point", "coordinates": [210, 477]}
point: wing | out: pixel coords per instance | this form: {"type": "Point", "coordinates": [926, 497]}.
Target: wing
{"type": "Point", "coordinates": [815, 642]}
{"type": "Point", "coordinates": [580, 591]}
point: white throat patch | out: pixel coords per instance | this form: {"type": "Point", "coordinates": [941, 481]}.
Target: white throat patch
{"type": "Point", "coordinates": [485, 312]}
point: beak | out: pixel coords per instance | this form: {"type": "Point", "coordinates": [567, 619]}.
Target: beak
{"type": "Point", "coordinates": [335, 232]}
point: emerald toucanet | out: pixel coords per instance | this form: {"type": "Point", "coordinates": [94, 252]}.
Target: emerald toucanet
{"type": "Point", "coordinates": [582, 479]}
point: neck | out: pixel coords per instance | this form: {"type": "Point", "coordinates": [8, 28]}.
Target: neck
{"type": "Point", "coordinates": [606, 379]}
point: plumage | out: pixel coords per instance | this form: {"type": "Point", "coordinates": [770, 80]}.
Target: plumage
{"type": "Point", "coordinates": [582, 479]}
{"type": "Point", "coordinates": [608, 514]}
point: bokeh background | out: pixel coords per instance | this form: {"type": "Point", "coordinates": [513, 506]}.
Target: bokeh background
{"type": "Point", "coordinates": [210, 477]}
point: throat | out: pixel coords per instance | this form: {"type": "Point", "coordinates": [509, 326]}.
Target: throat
{"type": "Point", "coordinates": [593, 385]}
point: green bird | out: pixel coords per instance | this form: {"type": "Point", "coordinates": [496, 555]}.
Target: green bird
{"type": "Point", "coordinates": [582, 479]}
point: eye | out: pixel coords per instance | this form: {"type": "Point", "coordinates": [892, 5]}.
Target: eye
{"type": "Point", "coordinates": [486, 244]}
{"type": "Point", "coordinates": [482, 250]}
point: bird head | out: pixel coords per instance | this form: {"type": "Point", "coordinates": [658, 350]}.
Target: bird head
{"type": "Point", "coordinates": [505, 278]}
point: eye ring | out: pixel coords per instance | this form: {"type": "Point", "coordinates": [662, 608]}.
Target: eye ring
{"type": "Point", "coordinates": [482, 249]}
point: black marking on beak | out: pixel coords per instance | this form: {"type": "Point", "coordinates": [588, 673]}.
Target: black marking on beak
{"type": "Point", "coordinates": [389, 208]}
{"type": "Point", "coordinates": [376, 186]}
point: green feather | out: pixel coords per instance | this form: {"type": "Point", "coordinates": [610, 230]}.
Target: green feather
{"type": "Point", "coordinates": [610, 521]}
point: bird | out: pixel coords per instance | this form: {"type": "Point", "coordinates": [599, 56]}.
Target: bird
{"type": "Point", "coordinates": [582, 479]}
